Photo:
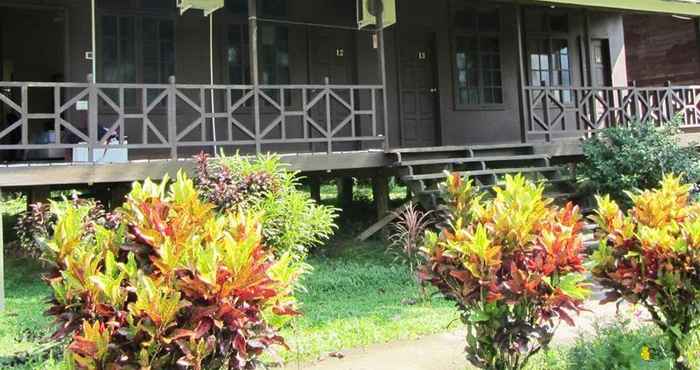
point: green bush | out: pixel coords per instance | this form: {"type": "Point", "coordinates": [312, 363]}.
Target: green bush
{"type": "Point", "coordinates": [620, 346]}
{"type": "Point", "coordinates": [631, 157]}
{"type": "Point", "coordinates": [292, 221]}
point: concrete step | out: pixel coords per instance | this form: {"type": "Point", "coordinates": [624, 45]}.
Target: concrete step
{"type": "Point", "coordinates": [510, 158]}
{"type": "Point", "coordinates": [498, 171]}
{"type": "Point", "coordinates": [453, 148]}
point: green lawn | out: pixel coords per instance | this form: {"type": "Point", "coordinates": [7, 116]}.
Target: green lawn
{"type": "Point", "coordinates": [353, 298]}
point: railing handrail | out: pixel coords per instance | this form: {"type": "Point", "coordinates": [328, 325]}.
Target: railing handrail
{"type": "Point", "coordinates": [130, 85]}
{"type": "Point", "coordinates": [582, 87]}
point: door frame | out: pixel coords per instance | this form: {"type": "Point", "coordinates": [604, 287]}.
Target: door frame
{"type": "Point", "coordinates": [607, 59]}
{"type": "Point", "coordinates": [437, 137]}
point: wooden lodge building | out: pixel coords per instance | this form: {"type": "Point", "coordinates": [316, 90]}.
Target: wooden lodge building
{"type": "Point", "coordinates": [112, 91]}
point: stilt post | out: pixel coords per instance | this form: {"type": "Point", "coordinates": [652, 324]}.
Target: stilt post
{"type": "Point", "coordinates": [345, 190]}
{"type": "Point", "coordinates": [380, 193]}
{"type": "Point", "coordinates": [315, 188]}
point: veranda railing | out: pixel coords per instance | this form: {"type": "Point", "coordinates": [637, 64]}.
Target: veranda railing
{"type": "Point", "coordinates": [170, 117]}
{"type": "Point", "coordinates": [554, 112]}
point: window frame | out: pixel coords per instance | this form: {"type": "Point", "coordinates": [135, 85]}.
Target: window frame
{"type": "Point", "coordinates": [458, 32]}
{"type": "Point", "coordinates": [138, 18]}
{"type": "Point", "coordinates": [550, 37]}
{"type": "Point", "coordinates": [245, 62]}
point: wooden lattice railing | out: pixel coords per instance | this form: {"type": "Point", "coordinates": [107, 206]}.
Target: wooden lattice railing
{"type": "Point", "coordinates": [170, 117]}
{"type": "Point", "coordinates": [554, 112]}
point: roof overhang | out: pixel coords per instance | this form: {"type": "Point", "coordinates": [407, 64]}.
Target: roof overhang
{"type": "Point", "coordinates": [689, 8]}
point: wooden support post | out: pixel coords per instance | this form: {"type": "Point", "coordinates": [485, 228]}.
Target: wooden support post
{"type": "Point", "coordinates": [102, 193]}
{"type": "Point", "coordinates": [118, 193]}
{"type": "Point", "coordinates": [378, 8]}
{"type": "Point", "coordinates": [38, 194]}
{"type": "Point", "coordinates": [345, 190]}
{"type": "Point", "coordinates": [2, 261]}
{"type": "Point", "coordinates": [315, 188]}
{"type": "Point", "coordinates": [254, 68]}
{"type": "Point", "coordinates": [522, 78]}
{"type": "Point", "coordinates": [380, 194]}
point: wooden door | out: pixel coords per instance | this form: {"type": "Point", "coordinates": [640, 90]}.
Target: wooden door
{"type": "Point", "coordinates": [418, 89]}
{"type": "Point", "coordinates": [332, 60]}
{"type": "Point", "coordinates": [331, 55]}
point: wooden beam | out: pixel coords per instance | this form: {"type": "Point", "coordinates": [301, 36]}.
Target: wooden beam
{"type": "Point", "coordinates": [73, 174]}
{"type": "Point", "coordinates": [254, 67]}
{"type": "Point", "coordinates": [382, 223]}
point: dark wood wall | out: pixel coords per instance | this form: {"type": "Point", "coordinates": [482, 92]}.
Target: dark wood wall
{"type": "Point", "coordinates": [359, 65]}
{"type": "Point", "coordinates": [661, 49]}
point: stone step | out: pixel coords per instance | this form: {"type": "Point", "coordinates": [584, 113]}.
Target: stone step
{"type": "Point", "coordinates": [513, 158]}
{"type": "Point", "coordinates": [454, 148]}
{"type": "Point", "coordinates": [496, 171]}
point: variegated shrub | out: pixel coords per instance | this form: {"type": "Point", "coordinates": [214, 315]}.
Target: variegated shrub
{"type": "Point", "coordinates": [513, 266]}
{"type": "Point", "coordinates": [176, 285]}
{"type": "Point", "coordinates": [651, 256]}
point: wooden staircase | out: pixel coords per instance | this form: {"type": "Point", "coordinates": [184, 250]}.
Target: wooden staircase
{"type": "Point", "coordinates": [422, 169]}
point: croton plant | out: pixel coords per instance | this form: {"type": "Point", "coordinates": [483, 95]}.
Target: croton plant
{"type": "Point", "coordinates": [513, 265]}
{"type": "Point", "coordinates": [651, 256]}
{"type": "Point", "coordinates": [174, 285]}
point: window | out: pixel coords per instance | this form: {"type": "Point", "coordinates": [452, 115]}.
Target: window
{"type": "Point", "coordinates": [158, 50]}
{"type": "Point", "coordinates": [273, 50]}
{"type": "Point", "coordinates": [274, 55]}
{"type": "Point", "coordinates": [136, 49]}
{"type": "Point", "coordinates": [549, 62]}
{"type": "Point", "coordinates": [237, 55]}
{"type": "Point", "coordinates": [478, 57]}
{"type": "Point", "coordinates": [118, 54]}
{"type": "Point", "coordinates": [548, 51]}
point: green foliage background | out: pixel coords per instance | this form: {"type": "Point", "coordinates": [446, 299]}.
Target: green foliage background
{"type": "Point", "coordinates": [637, 156]}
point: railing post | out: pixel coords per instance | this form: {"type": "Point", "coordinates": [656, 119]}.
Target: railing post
{"type": "Point", "coordinates": [172, 118]}
{"type": "Point", "coordinates": [92, 118]}
{"type": "Point", "coordinates": [669, 103]}
{"type": "Point", "coordinates": [24, 103]}
{"type": "Point", "coordinates": [329, 116]}
{"type": "Point", "coordinates": [545, 112]}
{"type": "Point", "coordinates": [634, 101]}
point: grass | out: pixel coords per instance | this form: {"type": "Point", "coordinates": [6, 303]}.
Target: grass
{"type": "Point", "coordinates": [354, 298]}
{"type": "Point", "coordinates": [357, 298]}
